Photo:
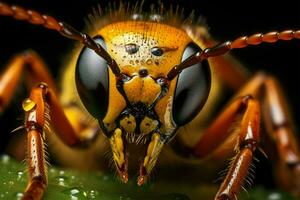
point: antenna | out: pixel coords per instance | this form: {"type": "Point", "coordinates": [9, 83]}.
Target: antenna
{"type": "Point", "coordinates": [227, 46]}
{"type": "Point", "coordinates": [63, 28]}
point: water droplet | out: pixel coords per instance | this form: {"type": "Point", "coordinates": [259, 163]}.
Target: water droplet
{"type": "Point", "coordinates": [53, 171]}
{"type": "Point", "coordinates": [11, 183]}
{"type": "Point", "coordinates": [93, 194]}
{"type": "Point", "coordinates": [124, 198]}
{"type": "Point", "coordinates": [274, 196]}
{"type": "Point", "coordinates": [76, 193]}
{"type": "Point", "coordinates": [5, 159]}
{"type": "Point", "coordinates": [28, 105]}
{"type": "Point", "coordinates": [73, 180]}
{"type": "Point", "coordinates": [19, 195]}
{"type": "Point", "coordinates": [61, 172]}
{"type": "Point", "coordinates": [61, 180]}
{"type": "Point", "coordinates": [105, 178]}
{"type": "Point", "coordinates": [20, 175]}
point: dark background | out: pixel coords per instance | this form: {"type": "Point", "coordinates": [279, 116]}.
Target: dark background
{"type": "Point", "coordinates": [227, 20]}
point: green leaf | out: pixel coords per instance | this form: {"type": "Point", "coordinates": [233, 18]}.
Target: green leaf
{"type": "Point", "coordinates": [68, 184]}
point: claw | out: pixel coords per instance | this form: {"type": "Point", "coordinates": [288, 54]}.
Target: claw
{"type": "Point", "coordinates": [142, 178]}
{"type": "Point", "coordinates": [124, 177]}
{"type": "Point", "coordinates": [121, 158]}
{"type": "Point", "coordinates": [154, 148]}
{"type": "Point", "coordinates": [121, 161]}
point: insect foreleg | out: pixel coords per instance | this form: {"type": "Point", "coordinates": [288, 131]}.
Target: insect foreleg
{"type": "Point", "coordinates": [36, 166]}
{"type": "Point", "coordinates": [279, 127]}
{"type": "Point", "coordinates": [30, 63]}
{"type": "Point", "coordinates": [281, 131]}
{"type": "Point", "coordinates": [246, 142]}
{"type": "Point", "coordinates": [41, 111]}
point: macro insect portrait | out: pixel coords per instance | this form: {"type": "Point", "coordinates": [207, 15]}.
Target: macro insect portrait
{"type": "Point", "coordinates": [149, 100]}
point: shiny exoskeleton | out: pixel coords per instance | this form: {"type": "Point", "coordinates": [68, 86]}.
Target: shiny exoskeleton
{"type": "Point", "coordinates": [142, 77]}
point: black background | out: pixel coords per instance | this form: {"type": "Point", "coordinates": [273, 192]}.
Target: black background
{"type": "Point", "coordinates": [227, 20]}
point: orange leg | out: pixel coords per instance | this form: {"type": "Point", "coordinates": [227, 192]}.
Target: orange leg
{"type": "Point", "coordinates": [35, 71]}
{"type": "Point", "coordinates": [36, 166]}
{"type": "Point", "coordinates": [28, 63]}
{"type": "Point", "coordinates": [34, 121]}
{"type": "Point", "coordinates": [213, 138]}
{"type": "Point", "coordinates": [280, 130]}
{"type": "Point", "coordinates": [246, 142]}
{"type": "Point", "coordinates": [42, 109]}
{"type": "Point", "coordinates": [278, 126]}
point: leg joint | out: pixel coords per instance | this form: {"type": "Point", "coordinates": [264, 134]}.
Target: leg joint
{"type": "Point", "coordinates": [250, 144]}
{"type": "Point", "coordinates": [40, 180]}
{"type": "Point", "coordinates": [30, 125]}
{"type": "Point", "coordinates": [44, 87]}
{"type": "Point", "coordinates": [245, 101]}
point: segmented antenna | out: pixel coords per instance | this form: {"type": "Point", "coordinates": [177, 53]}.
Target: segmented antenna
{"type": "Point", "coordinates": [238, 43]}
{"type": "Point", "coordinates": [68, 31]}
{"type": "Point", "coordinates": [64, 29]}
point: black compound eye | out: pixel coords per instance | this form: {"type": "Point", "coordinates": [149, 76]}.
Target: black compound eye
{"type": "Point", "coordinates": [92, 80]}
{"type": "Point", "coordinates": [156, 51]}
{"type": "Point", "coordinates": [192, 89]}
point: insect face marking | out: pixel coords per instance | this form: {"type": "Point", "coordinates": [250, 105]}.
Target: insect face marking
{"type": "Point", "coordinates": [148, 102]}
{"type": "Point", "coordinates": [131, 48]}
{"type": "Point", "coordinates": [156, 51]}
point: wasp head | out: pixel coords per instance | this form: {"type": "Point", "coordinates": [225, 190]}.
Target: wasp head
{"type": "Point", "coordinates": [140, 105]}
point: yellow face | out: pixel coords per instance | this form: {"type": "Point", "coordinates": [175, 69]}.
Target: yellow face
{"type": "Point", "coordinates": [132, 44]}
{"type": "Point", "coordinates": [140, 101]}
{"type": "Point", "coordinates": [145, 52]}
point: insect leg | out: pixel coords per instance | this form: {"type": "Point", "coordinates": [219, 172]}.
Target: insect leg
{"type": "Point", "coordinates": [34, 108]}
{"type": "Point", "coordinates": [36, 166]}
{"type": "Point", "coordinates": [246, 142]}
{"type": "Point", "coordinates": [280, 129]}
{"type": "Point", "coordinates": [29, 62]}
{"type": "Point", "coordinates": [60, 122]}
{"type": "Point", "coordinates": [278, 124]}
{"type": "Point", "coordinates": [220, 138]}
{"type": "Point", "coordinates": [37, 115]}
{"type": "Point", "coordinates": [41, 110]}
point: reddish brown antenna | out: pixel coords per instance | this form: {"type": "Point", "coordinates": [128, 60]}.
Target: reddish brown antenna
{"type": "Point", "coordinates": [238, 43]}
{"type": "Point", "coordinates": [64, 29]}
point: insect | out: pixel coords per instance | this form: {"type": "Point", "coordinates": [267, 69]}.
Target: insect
{"type": "Point", "coordinates": [147, 89]}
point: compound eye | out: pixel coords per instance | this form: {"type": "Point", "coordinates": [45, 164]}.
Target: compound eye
{"type": "Point", "coordinates": [92, 80]}
{"type": "Point", "coordinates": [192, 89]}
